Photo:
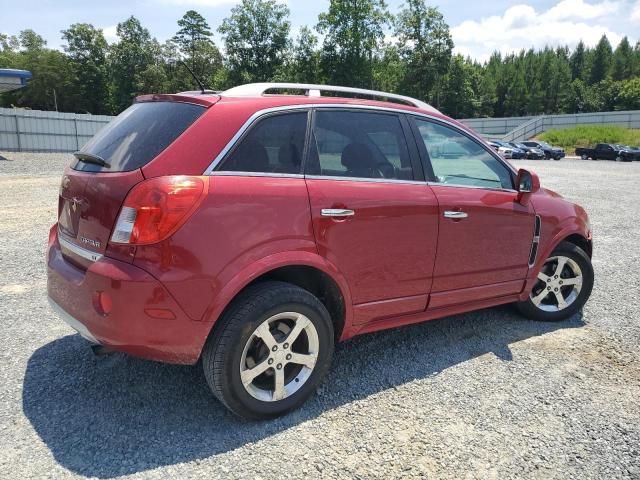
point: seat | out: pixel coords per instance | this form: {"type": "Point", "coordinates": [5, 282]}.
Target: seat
{"type": "Point", "coordinates": [358, 159]}
{"type": "Point", "coordinates": [288, 159]}
{"type": "Point", "coordinates": [251, 156]}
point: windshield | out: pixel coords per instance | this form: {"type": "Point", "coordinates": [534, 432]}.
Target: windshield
{"type": "Point", "coordinates": [136, 136]}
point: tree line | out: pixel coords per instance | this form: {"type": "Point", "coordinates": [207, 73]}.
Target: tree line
{"type": "Point", "coordinates": [357, 43]}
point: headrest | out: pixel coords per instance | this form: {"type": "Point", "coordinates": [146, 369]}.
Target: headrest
{"type": "Point", "coordinates": [251, 156]}
{"type": "Point", "coordinates": [357, 156]}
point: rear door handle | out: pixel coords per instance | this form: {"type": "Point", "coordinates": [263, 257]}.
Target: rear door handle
{"type": "Point", "coordinates": [337, 212]}
{"type": "Point", "coordinates": [456, 215]}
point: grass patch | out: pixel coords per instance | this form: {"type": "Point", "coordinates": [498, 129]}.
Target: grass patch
{"type": "Point", "coordinates": [588, 135]}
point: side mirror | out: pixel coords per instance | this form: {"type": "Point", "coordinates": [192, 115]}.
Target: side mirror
{"type": "Point", "coordinates": [527, 182]}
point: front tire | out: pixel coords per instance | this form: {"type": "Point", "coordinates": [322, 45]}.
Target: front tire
{"type": "Point", "coordinates": [271, 351]}
{"type": "Point", "coordinates": [563, 287]}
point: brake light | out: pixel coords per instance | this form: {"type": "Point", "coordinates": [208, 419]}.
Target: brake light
{"type": "Point", "coordinates": [155, 208]}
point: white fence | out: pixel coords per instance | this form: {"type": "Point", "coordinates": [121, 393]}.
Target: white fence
{"type": "Point", "coordinates": [522, 128]}
{"type": "Point", "coordinates": [37, 131]}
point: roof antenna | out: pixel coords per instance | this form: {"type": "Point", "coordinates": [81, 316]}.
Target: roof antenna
{"type": "Point", "coordinates": [202, 89]}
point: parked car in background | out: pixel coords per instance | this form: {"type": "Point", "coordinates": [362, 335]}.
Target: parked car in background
{"type": "Point", "coordinates": [530, 153]}
{"type": "Point", "coordinates": [253, 230]}
{"type": "Point", "coordinates": [516, 152]}
{"type": "Point", "coordinates": [627, 152]}
{"type": "Point", "coordinates": [549, 152]}
{"type": "Point", "coordinates": [505, 151]}
{"type": "Point", "coordinates": [609, 151]}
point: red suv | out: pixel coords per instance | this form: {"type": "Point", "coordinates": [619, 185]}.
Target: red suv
{"type": "Point", "coordinates": [256, 227]}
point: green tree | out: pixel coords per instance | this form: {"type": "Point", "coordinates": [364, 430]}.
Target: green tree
{"type": "Point", "coordinates": [130, 58]}
{"type": "Point", "coordinates": [353, 31]}
{"type": "Point", "coordinates": [601, 61]}
{"type": "Point", "coordinates": [458, 98]}
{"type": "Point", "coordinates": [303, 62]}
{"type": "Point", "coordinates": [31, 41]}
{"type": "Point", "coordinates": [52, 75]}
{"type": "Point", "coordinates": [388, 69]}
{"type": "Point", "coordinates": [255, 38]}
{"type": "Point", "coordinates": [425, 45]}
{"type": "Point", "coordinates": [195, 44]}
{"type": "Point", "coordinates": [87, 50]}
{"type": "Point", "coordinates": [516, 88]}
{"type": "Point", "coordinates": [622, 63]}
{"type": "Point", "coordinates": [629, 95]}
{"type": "Point", "coordinates": [577, 62]}
{"type": "Point", "coordinates": [488, 91]}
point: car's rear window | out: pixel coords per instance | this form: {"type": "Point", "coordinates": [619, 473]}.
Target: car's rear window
{"type": "Point", "coordinates": [138, 135]}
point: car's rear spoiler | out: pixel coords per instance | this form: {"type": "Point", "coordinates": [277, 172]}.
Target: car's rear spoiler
{"type": "Point", "coordinates": [206, 100]}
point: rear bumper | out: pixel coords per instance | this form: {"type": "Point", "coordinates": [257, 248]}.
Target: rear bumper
{"type": "Point", "coordinates": [138, 300]}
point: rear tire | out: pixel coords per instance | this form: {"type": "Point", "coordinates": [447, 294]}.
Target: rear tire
{"type": "Point", "coordinates": [252, 364]}
{"type": "Point", "coordinates": [563, 287]}
{"type": "Point", "coordinates": [584, 157]}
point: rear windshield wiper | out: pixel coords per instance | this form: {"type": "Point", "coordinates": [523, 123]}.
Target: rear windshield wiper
{"type": "Point", "coordinates": [91, 158]}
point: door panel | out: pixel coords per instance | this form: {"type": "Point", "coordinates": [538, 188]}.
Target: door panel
{"type": "Point", "coordinates": [491, 245]}
{"type": "Point", "coordinates": [485, 234]}
{"type": "Point", "coordinates": [386, 249]}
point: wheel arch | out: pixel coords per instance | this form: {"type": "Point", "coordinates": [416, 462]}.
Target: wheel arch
{"type": "Point", "coordinates": [579, 240]}
{"type": "Point", "coordinates": [575, 234]}
{"type": "Point", "coordinates": [305, 270]}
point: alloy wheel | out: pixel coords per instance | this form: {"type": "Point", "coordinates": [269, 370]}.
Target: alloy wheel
{"type": "Point", "coordinates": [559, 284]}
{"type": "Point", "coordinates": [279, 357]}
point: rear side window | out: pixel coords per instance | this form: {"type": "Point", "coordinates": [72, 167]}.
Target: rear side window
{"type": "Point", "coordinates": [138, 135]}
{"type": "Point", "coordinates": [274, 145]}
{"type": "Point", "coordinates": [360, 145]}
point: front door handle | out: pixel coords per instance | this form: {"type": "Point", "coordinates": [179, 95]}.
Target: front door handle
{"type": "Point", "coordinates": [337, 212]}
{"type": "Point", "coordinates": [455, 215]}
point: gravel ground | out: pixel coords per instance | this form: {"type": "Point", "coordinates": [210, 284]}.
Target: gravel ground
{"type": "Point", "coordinates": [481, 395]}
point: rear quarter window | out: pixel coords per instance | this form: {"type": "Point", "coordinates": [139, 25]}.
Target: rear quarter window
{"type": "Point", "coordinates": [138, 135]}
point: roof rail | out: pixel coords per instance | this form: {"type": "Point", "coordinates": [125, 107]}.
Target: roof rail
{"type": "Point", "coordinates": [311, 90]}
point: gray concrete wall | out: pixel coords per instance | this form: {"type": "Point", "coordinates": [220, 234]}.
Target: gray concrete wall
{"type": "Point", "coordinates": [519, 128]}
{"type": "Point", "coordinates": [37, 131]}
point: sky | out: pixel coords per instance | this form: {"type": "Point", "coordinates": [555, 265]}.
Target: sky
{"type": "Point", "coordinates": [478, 28]}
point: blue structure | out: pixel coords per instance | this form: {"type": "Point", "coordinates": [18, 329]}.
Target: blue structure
{"type": "Point", "coordinates": [11, 79]}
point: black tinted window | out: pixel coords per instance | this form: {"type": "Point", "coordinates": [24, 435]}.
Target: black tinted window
{"type": "Point", "coordinates": [274, 145]}
{"type": "Point", "coordinates": [359, 144]}
{"type": "Point", "coordinates": [139, 134]}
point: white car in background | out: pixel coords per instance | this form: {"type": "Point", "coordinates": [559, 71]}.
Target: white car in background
{"type": "Point", "coordinates": [505, 152]}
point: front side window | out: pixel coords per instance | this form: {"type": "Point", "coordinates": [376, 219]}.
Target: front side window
{"type": "Point", "coordinates": [359, 144]}
{"type": "Point", "coordinates": [457, 159]}
{"type": "Point", "coordinates": [274, 145]}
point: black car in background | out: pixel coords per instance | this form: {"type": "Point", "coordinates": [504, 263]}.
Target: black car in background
{"type": "Point", "coordinates": [530, 153]}
{"type": "Point", "coordinates": [609, 151]}
{"type": "Point", "coordinates": [549, 152]}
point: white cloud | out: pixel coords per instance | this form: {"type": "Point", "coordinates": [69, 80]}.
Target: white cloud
{"type": "Point", "coordinates": [635, 12]}
{"type": "Point", "coordinates": [208, 3]}
{"type": "Point", "coordinates": [110, 33]}
{"type": "Point", "coordinates": [521, 26]}
{"type": "Point", "coordinates": [578, 9]}
{"type": "Point", "coordinates": [203, 3]}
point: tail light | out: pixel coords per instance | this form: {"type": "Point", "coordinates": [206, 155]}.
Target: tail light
{"type": "Point", "coordinates": [156, 208]}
